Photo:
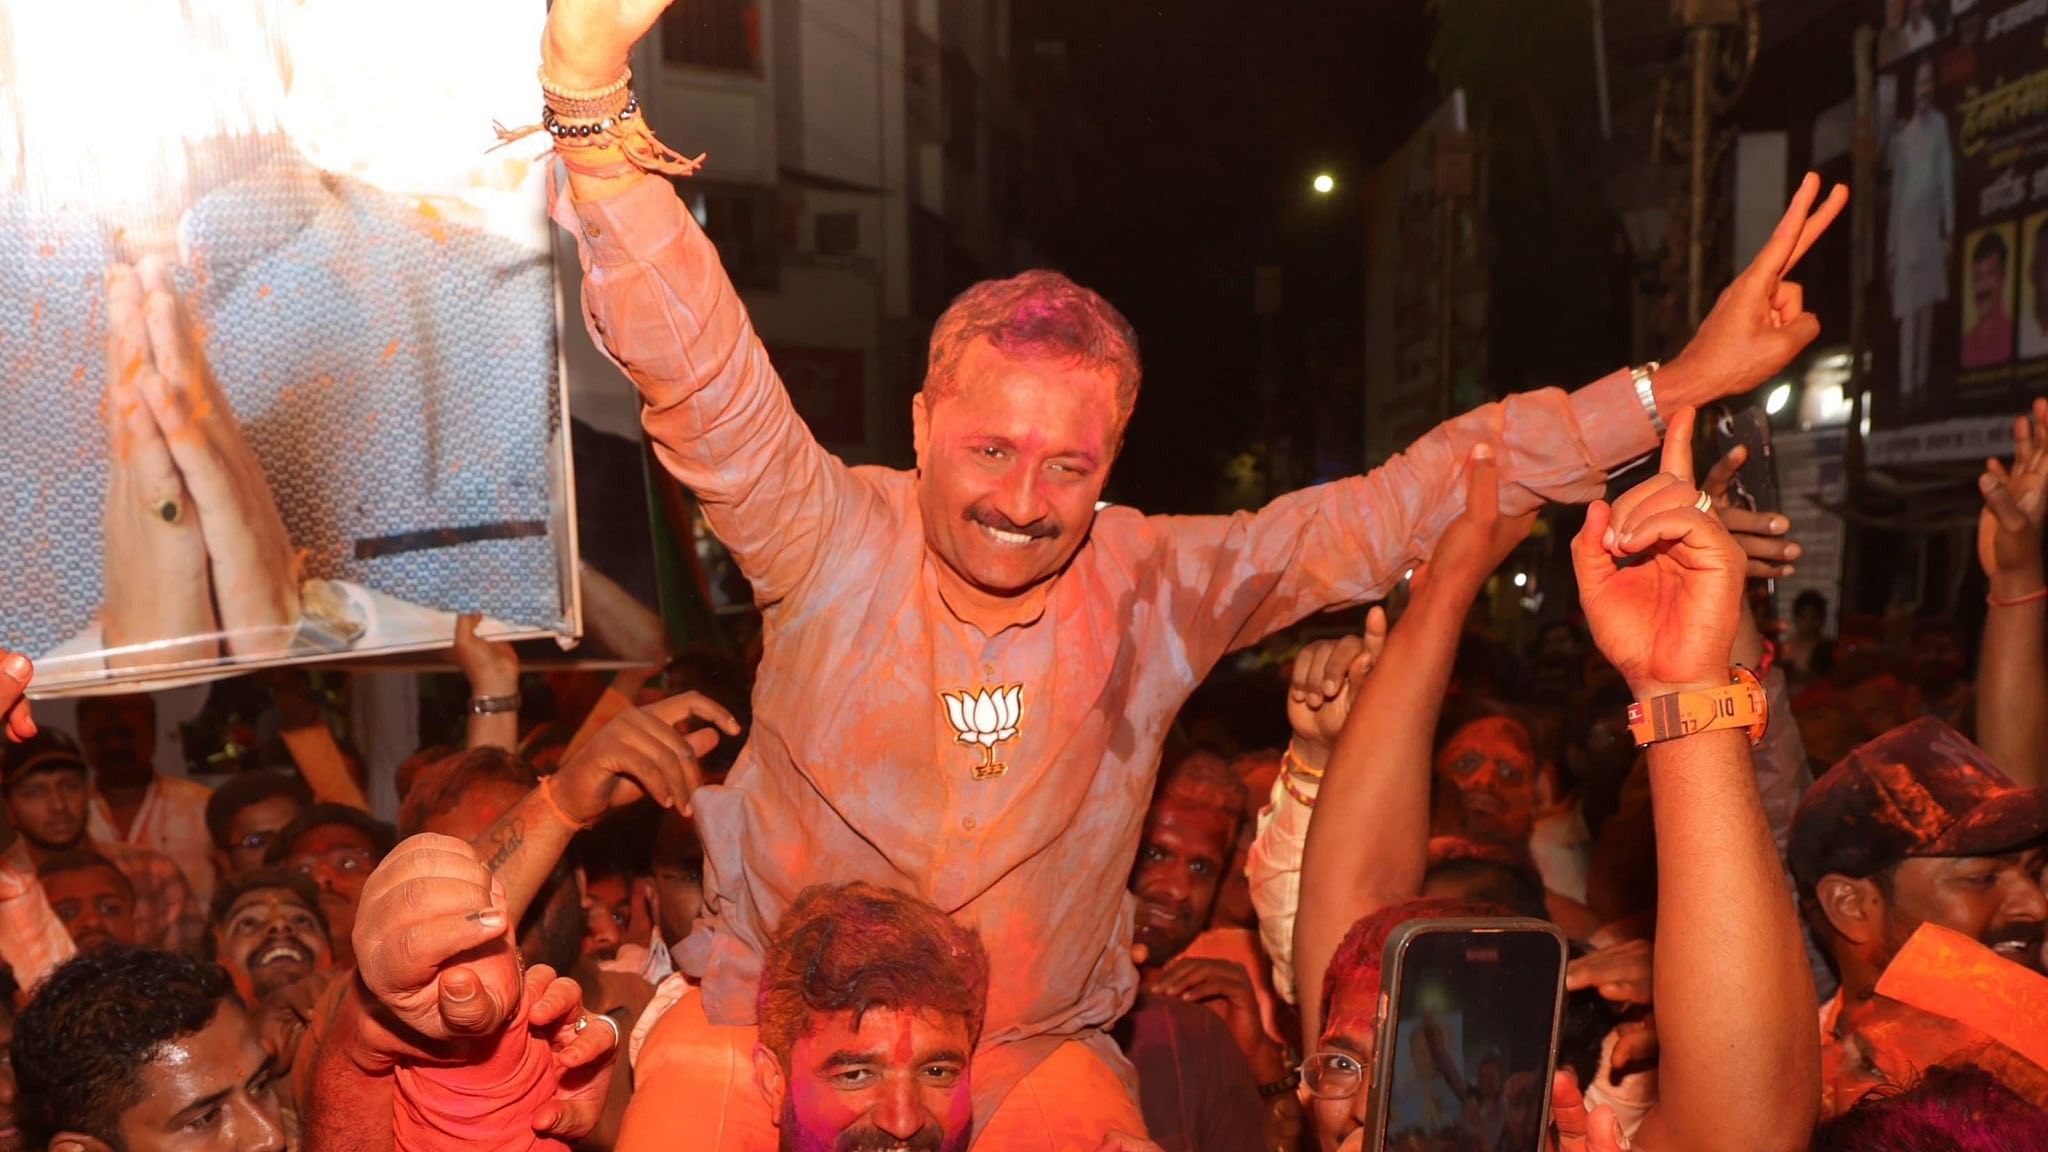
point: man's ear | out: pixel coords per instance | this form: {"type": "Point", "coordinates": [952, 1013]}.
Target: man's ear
{"type": "Point", "coordinates": [767, 1075]}
{"type": "Point", "coordinates": [78, 1142]}
{"type": "Point", "coordinates": [920, 426]}
{"type": "Point", "coordinates": [1854, 907]}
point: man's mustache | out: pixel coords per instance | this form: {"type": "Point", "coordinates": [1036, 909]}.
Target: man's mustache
{"type": "Point", "coordinates": [1041, 529]}
{"type": "Point", "coordinates": [867, 1138]}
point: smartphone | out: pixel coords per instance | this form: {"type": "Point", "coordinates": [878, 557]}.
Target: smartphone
{"type": "Point", "coordinates": [1467, 1036]}
{"type": "Point", "coordinates": [1755, 486]}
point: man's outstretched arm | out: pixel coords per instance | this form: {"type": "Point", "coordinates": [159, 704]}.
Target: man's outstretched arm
{"type": "Point", "coordinates": [657, 299]}
{"type": "Point", "coordinates": [1347, 542]}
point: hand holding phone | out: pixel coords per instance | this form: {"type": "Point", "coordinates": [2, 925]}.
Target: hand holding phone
{"type": "Point", "coordinates": [1467, 1036]}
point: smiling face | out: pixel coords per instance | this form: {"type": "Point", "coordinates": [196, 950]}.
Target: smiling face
{"type": "Point", "coordinates": [1186, 846]}
{"type": "Point", "coordinates": [1996, 900]}
{"type": "Point", "coordinates": [273, 939]}
{"type": "Point", "coordinates": [1348, 1032]}
{"type": "Point", "coordinates": [1011, 461]}
{"type": "Point", "coordinates": [898, 1080]}
{"type": "Point", "coordinates": [1493, 766]}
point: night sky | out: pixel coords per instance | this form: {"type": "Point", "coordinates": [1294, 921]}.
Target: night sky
{"type": "Point", "coordinates": [1210, 119]}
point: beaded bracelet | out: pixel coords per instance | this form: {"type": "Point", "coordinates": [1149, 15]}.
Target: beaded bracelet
{"type": "Point", "coordinates": [1296, 766]}
{"type": "Point", "coordinates": [1287, 782]}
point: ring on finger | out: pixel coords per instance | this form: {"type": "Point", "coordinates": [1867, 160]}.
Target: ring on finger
{"type": "Point", "coordinates": [603, 1019]}
{"type": "Point", "coordinates": [1705, 504]}
{"type": "Point", "coordinates": [169, 510]}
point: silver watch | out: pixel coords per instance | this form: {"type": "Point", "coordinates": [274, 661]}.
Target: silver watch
{"type": "Point", "coordinates": [1648, 395]}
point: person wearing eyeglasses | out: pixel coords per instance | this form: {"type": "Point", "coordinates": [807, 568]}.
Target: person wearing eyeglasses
{"type": "Point", "coordinates": [337, 847]}
{"type": "Point", "coordinates": [247, 812]}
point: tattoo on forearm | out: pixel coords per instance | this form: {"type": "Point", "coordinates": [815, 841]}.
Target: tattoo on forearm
{"type": "Point", "coordinates": [506, 840]}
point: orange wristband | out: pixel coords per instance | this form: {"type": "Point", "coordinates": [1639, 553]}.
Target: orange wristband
{"type": "Point", "coordinates": [547, 794]}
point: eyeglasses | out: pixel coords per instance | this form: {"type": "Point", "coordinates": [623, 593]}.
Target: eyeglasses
{"type": "Point", "coordinates": [1332, 1075]}
{"type": "Point", "coordinates": [257, 841]}
{"type": "Point", "coordinates": [343, 860]}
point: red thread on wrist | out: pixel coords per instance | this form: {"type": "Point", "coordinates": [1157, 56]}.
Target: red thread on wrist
{"type": "Point", "coordinates": [547, 794]}
{"type": "Point", "coordinates": [2037, 594]}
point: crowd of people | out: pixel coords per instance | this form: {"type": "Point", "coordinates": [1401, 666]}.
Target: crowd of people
{"type": "Point", "coordinates": [1040, 824]}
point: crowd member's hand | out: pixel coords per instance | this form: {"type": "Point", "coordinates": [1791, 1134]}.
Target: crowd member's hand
{"type": "Point", "coordinates": [1573, 1127]}
{"type": "Point", "coordinates": [1619, 972]}
{"type": "Point", "coordinates": [1480, 538]}
{"type": "Point", "coordinates": [15, 673]}
{"type": "Point", "coordinates": [433, 942]}
{"type": "Point", "coordinates": [1762, 535]}
{"type": "Point", "coordinates": [157, 588]}
{"type": "Point", "coordinates": [249, 553]}
{"type": "Point", "coordinates": [584, 1047]}
{"type": "Point", "coordinates": [284, 1015]}
{"type": "Point", "coordinates": [490, 666]}
{"type": "Point", "coordinates": [1667, 621]}
{"type": "Point", "coordinates": [1226, 988]}
{"type": "Point", "coordinates": [1325, 680]}
{"type": "Point", "coordinates": [1760, 321]}
{"type": "Point", "coordinates": [644, 751]}
{"type": "Point", "coordinates": [2009, 528]}
{"type": "Point", "coordinates": [588, 42]}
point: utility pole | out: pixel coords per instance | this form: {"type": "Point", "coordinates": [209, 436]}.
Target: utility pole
{"type": "Point", "coordinates": [1721, 39]}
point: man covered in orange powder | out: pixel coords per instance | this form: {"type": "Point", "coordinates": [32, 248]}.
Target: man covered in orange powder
{"type": "Point", "coordinates": [969, 669]}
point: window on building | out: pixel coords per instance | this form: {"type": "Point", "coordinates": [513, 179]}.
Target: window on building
{"type": "Point", "coordinates": [744, 224]}
{"type": "Point", "coordinates": [722, 34]}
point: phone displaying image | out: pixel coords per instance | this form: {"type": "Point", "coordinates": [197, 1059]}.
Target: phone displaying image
{"type": "Point", "coordinates": [1755, 486]}
{"type": "Point", "coordinates": [1467, 1037]}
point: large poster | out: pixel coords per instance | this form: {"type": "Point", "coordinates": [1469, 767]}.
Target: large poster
{"type": "Point", "coordinates": [278, 333]}
{"type": "Point", "coordinates": [1961, 282]}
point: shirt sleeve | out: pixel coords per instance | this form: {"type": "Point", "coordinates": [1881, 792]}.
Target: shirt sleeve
{"type": "Point", "coordinates": [1348, 541]}
{"type": "Point", "coordinates": [658, 301]}
{"type": "Point", "coordinates": [1782, 773]}
{"type": "Point", "coordinates": [1274, 868]}
{"type": "Point", "coordinates": [32, 940]}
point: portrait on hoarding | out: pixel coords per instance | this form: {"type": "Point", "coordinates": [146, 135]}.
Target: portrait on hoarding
{"type": "Point", "coordinates": [1920, 230]}
{"type": "Point", "coordinates": [2033, 318]}
{"type": "Point", "coordinates": [282, 371]}
{"type": "Point", "coordinates": [1987, 297]}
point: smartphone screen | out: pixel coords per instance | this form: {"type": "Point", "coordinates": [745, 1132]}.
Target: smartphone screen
{"type": "Point", "coordinates": [1755, 486]}
{"type": "Point", "coordinates": [1473, 1032]}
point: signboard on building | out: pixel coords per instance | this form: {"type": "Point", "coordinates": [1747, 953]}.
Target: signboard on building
{"type": "Point", "coordinates": [1408, 216]}
{"type": "Point", "coordinates": [1960, 289]}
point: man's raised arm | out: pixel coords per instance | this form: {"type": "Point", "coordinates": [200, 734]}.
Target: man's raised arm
{"type": "Point", "coordinates": [1348, 541]}
{"type": "Point", "coordinates": [656, 297]}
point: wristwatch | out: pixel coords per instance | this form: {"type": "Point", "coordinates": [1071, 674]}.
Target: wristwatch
{"type": "Point", "coordinates": [492, 705]}
{"type": "Point", "coordinates": [1738, 704]}
{"type": "Point", "coordinates": [1647, 395]}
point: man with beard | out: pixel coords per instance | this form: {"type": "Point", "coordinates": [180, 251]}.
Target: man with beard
{"type": "Point", "coordinates": [135, 804]}
{"type": "Point", "coordinates": [1491, 762]}
{"type": "Point", "coordinates": [1916, 827]}
{"type": "Point", "coordinates": [44, 781]}
{"type": "Point", "coordinates": [268, 931]}
{"type": "Point", "coordinates": [337, 847]}
{"type": "Point", "coordinates": [870, 1003]}
{"type": "Point", "coordinates": [92, 898]}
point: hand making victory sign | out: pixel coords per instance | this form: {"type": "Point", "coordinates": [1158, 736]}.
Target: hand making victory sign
{"type": "Point", "coordinates": [1760, 321]}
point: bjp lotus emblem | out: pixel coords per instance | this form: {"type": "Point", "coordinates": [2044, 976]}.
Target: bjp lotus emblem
{"type": "Point", "coordinates": [985, 719]}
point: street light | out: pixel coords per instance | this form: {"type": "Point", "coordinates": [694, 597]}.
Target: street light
{"type": "Point", "coordinates": [1776, 401]}
{"type": "Point", "coordinates": [1324, 184]}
